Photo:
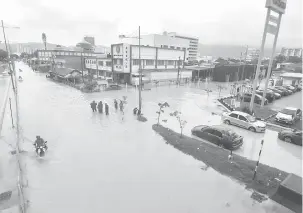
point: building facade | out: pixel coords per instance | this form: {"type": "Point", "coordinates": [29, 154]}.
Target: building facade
{"type": "Point", "coordinates": [193, 44]}
{"type": "Point", "coordinates": [99, 66]}
{"type": "Point", "coordinates": [90, 39]}
{"type": "Point", "coordinates": [170, 41]}
{"type": "Point", "coordinates": [70, 59]}
{"type": "Point", "coordinates": [125, 60]}
{"type": "Point", "coordinates": [291, 52]}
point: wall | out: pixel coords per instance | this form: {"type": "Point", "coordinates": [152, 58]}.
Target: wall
{"type": "Point", "coordinates": [167, 54]}
{"type": "Point", "coordinates": [168, 75]}
{"type": "Point", "coordinates": [94, 66]}
{"type": "Point", "coordinates": [171, 41]}
{"type": "Point", "coordinates": [220, 72]}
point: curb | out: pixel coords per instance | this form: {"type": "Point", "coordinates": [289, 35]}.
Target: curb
{"type": "Point", "coordinates": [278, 126]}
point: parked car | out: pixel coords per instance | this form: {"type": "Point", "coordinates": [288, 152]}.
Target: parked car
{"type": "Point", "coordinates": [113, 87]}
{"type": "Point", "coordinates": [218, 135]}
{"type": "Point", "coordinates": [288, 136]}
{"type": "Point", "coordinates": [281, 92]}
{"type": "Point", "coordinates": [288, 92]}
{"type": "Point", "coordinates": [277, 95]}
{"type": "Point", "coordinates": [289, 87]}
{"type": "Point", "coordinates": [258, 99]}
{"type": "Point", "coordinates": [243, 120]}
{"type": "Point", "coordinates": [289, 115]}
{"type": "Point", "coordinates": [269, 95]}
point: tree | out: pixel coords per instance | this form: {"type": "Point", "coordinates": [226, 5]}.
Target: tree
{"type": "Point", "coordinates": [161, 106]}
{"type": "Point", "coordinates": [294, 59]}
{"type": "Point", "coordinates": [182, 123]}
{"type": "Point", "coordinates": [3, 54]}
{"type": "Point", "coordinates": [280, 58]}
{"type": "Point", "coordinates": [44, 39]}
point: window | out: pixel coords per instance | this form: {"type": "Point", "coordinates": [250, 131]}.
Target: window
{"type": "Point", "coordinates": [172, 47]}
{"type": "Point", "coordinates": [208, 130]}
{"type": "Point", "coordinates": [78, 54]}
{"type": "Point", "coordinates": [100, 63]}
{"type": "Point", "coordinates": [178, 48]}
{"type": "Point", "coordinates": [242, 118]}
{"type": "Point", "coordinates": [161, 62]}
{"type": "Point", "coordinates": [149, 62]}
{"type": "Point", "coordinates": [183, 48]}
{"type": "Point", "coordinates": [136, 62]}
{"type": "Point", "coordinates": [233, 115]}
{"type": "Point", "coordinates": [170, 63]}
{"type": "Point", "coordinates": [217, 133]}
{"type": "Point", "coordinates": [165, 46]}
{"type": "Point", "coordinates": [108, 63]}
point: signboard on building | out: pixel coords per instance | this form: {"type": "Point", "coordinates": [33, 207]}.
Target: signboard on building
{"type": "Point", "coordinates": [278, 6]}
{"type": "Point", "coordinates": [126, 57]}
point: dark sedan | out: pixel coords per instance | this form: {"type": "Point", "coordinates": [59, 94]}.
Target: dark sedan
{"type": "Point", "coordinates": [269, 95]}
{"type": "Point", "coordinates": [218, 135]}
{"type": "Point", "coordinates": [281, 92]}
{"type": "Point", "coordinates": [288, 136]}
{"type": "Point", "coordinates": [288, 92]}
{"type": "Point", "coordinates": [113, 87]}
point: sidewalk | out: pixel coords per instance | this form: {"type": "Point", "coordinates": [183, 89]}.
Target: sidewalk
{"type": "Point", "coordinates": [8, 164]}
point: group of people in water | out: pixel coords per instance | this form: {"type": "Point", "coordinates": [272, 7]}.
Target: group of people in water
{"type": "Point", "coordinates": [94, 106]}
{"type": "Point", "coordinates": [99, 106]}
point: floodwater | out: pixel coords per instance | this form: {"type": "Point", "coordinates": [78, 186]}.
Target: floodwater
{"type": "Point", "coordinates": [98, 163]}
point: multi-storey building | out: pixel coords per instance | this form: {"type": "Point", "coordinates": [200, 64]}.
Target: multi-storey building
{"type": "Point", "coordinates": [168, 40]}
{"type": "Point", "coordinates": [291, 52]}
{"type": "Point", "coordinates": [159, 63]}
{"type": "Point", "coordinates": [193, 44]}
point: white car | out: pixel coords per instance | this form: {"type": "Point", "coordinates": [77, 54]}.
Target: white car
{"type": "Point", "coordinates": [288, 115]}
{"type": "Point", "coordinates": [243, 120]}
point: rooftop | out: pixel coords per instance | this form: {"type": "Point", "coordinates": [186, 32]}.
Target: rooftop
{"type": "Point", "coordinates": [292, 75]}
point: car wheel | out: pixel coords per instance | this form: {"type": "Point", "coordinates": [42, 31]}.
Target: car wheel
{"type": "Point", "coordinates": [288, 139]}
{"type": "Point", "coordinates": [227, 122]}
{"type": "Point", "coordinates": [253, 129]}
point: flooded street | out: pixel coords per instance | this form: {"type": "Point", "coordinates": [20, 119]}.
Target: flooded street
{"type": "Point", "coordinates": [98, 163]}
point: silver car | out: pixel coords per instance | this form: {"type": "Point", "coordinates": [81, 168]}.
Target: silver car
{"type": "Point", "coordinates": [243, 120]}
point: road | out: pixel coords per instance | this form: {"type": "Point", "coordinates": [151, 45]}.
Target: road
{"type": "Point", "coordinates": [98, 163]}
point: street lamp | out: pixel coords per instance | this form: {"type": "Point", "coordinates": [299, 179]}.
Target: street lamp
{"type": "Point", "coordinates": [140, 71]}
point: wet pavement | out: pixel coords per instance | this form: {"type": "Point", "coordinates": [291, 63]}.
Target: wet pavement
{"type": "Point", "coordinates": [114, 163]}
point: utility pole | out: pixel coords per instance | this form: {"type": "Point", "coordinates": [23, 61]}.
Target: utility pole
{"type": "Point", "coordinates": [97, 67]}
{"type": "Point", "coordinates": [178, 78]}
{"type": "Point", "coordinates": [140, 73]}
{"type": "Point", "coordinates": [244, 62]}
{"type": "Point", "coordinates": [8, 56]}
{"type": "Point", "coordinates": [82, 65]}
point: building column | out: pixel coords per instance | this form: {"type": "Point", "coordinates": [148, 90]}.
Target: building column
{"type": "Point", "coordinates": [156, 61]}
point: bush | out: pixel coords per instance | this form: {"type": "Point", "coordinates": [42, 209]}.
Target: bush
{"type": "Point", "coordinates": [247, 110]}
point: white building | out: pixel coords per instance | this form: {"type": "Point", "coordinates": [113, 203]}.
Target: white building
{"type": "Point", "coordinates": [168, 40]}
{"type": "Point", "coordinates": [193, 44]}
{"type": "Point", "coordinates": [158, 63]}
{"type": "Point", "coordinates": [291, 52]}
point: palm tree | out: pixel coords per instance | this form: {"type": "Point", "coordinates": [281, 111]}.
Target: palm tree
{"type": "Point", "coordinates": [44, 39]}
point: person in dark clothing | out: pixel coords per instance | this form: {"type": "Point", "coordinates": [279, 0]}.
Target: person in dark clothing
{"type": "Point", "coordinates": [106, 109]}
{"type": "Point", "coordinates": [139, 112]}
{"type": "Point", "coordinates": [121, 106]}
{"type": "Point", "coordinates": [135, 110]}
{"type": "Point", "coordinates": [93, 105]}
{"type": "Point", "coordinates": [100, 107]}
{"type": "Point", "coordinates": [116, 104]}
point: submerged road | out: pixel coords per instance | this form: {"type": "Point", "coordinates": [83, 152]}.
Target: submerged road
{"type": "Point", "coordinates": [97, 163]}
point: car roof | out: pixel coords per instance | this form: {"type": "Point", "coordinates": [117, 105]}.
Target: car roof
{"type": "Point", "coordinates": [222, 128]}
{"type": "Point", "coordinates": [291, 108]}
{"type": "Point", "coordinates": [240, 113]}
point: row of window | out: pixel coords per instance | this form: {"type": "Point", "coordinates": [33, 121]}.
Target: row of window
{"type": "Point", "coordinates": [100, 63]}
{"type": "Point", "coordinates": [63, 53]}
{"type": "Point", "coordinates": [159, 62]}
{"type": "Point", "coordinates": [173, 47]}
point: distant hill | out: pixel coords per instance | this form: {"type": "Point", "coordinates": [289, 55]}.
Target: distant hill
{"type": "Point", "coordinates": [226, 51]}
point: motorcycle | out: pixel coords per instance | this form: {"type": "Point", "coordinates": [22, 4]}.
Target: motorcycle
{"type": "Point", "coordinates": [40, 150]}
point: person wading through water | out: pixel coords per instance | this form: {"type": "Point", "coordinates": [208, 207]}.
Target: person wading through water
{"type": "Point", "coordinates": [100, 107]}
{"type": "Point", "coordinates": [93, 105]}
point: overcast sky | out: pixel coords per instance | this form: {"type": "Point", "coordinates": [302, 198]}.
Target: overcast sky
{"type": "Point", "coordinates": [235, 22]}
